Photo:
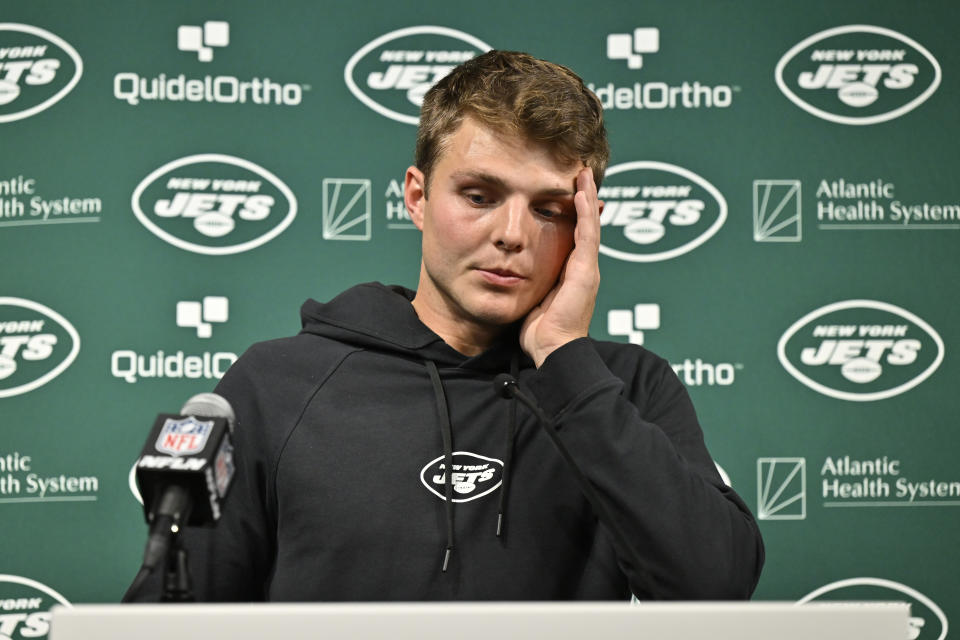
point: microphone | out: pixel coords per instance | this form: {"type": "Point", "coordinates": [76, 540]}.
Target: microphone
{"type": "Point", "coordinates": [507, 387]}
{"type": "Point", "coordinates": [185, 470]}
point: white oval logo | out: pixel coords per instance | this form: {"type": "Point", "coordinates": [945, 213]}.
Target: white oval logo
{"type": "Point", "coordinates": [36, 345]}
{"type": "Point", "coordinates": [399, 67]}
{"type": "Point", "coordinates": [858, 74]}
{"type": "Point", "coordinates": [860, 350]}
{"type": "Point", "coordinates": [854, 589]}
{"type": "Point", "coordinates": [26, 607]}
{"type": "Point", "coordinates": [657, 211]}
{"type": "Point", "coordinates": [34, 70]}
{"type": "Point", "coordinates": [474, 476]}
{"type": "Point", "coordinates": [214, 204]}
{"type": "Point", "coordinates": [132, 482]}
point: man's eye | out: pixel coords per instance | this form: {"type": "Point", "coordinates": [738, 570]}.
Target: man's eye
{"type": "Point", "coordinates": [549, 213]}
{"type": "Point", "coordinates": [475, 198]}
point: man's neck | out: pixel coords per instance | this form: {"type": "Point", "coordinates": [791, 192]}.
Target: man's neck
{"type": "Point", "coordinates": [466, 338]}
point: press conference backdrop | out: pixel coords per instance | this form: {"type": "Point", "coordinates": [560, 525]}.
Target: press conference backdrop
{"type": "Point", "coordinates": [782, 224]}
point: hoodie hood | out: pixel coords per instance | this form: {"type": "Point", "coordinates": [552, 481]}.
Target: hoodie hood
{"type": "Point", "coordinates": [381, 318]}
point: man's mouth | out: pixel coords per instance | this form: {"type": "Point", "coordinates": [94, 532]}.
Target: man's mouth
{"type": "Point", "coordinates": [501, 277]}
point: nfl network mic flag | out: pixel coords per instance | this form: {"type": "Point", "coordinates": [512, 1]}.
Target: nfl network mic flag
{"type": "Point", "coordinates": [194, 452]}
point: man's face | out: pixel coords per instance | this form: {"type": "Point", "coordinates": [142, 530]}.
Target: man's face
{"type": "Point", "coordinates": [497, 228]}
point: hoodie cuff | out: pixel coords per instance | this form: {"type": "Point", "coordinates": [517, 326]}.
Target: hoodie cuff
{"type": "Point", "coordinates": [571, 371]}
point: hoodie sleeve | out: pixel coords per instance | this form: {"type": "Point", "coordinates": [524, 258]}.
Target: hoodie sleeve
{"type": "Point", "coordinates": [240, 548]}
{"type": "Point", "coordinates": [678, 531]}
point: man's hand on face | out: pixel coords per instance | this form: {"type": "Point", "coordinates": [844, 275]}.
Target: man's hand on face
{"type": "Point", "coordinates": [565, 312]}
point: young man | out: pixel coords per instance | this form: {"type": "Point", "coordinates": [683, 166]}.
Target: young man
{"type": "Point", "coordinates": [375, 458]}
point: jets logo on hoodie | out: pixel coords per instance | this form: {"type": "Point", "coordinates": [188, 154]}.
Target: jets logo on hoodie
{"type": "Point", "coordinates": [473, 476]}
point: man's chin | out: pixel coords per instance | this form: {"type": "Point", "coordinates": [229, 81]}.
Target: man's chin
{"type": "Point", "coordinates": [499, 317]}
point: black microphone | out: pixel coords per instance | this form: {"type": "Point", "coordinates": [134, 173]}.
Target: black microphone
{"type": "Point", "coordinates": [185, 470]}
{"type": "Point", "coordinates": [508, 387]}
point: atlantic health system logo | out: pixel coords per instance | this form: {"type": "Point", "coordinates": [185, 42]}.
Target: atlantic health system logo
{"type": "Point", "coordinates": [858, 74]}
{"type": "Point", "coordinates": [37, 69]}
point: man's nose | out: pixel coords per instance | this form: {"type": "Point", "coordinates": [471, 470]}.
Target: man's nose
{"type": "Point", "coordinates": [511, 218]}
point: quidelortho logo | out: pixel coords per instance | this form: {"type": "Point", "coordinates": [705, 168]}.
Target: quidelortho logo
{"type": "Point", "coordinates": [36, 345]}
{"type": "Point", "coordinates": [474, 476]}
{"type": "Point", "coordinates": [635, 48]}
{"type": "Point", "coordinates": [860, 350]}
{"type": "Point", "coordinates": [214, 204]}
{"type": "Point", "coordinates": [927, 620]}
{"type": "Point", "coordinates": [37, 69]}
{"type": "Point", "coordinates": [858, 74]}
{"type": "Point", "coordinates": [202, 39]}
{"type": "Point", "coordinates": [391, 73]}
{"type": "Point", "coordinates": [694, 372]}
{"type": "Point", "coordinates": [657, 211]}
{"type": "Point", "coordinates": [135, 89]}
{"type": "Point", "coordinates": [132, 367]}
{"type": "Point", "coordinates": [202, 314]}
{"type": "Point", "coordinates": [25, 607]}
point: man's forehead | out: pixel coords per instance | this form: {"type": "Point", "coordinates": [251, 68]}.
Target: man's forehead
{"type": "Point", "coordinates": [476, 150]}
{"type": "Point", "coordinates": [505, 182]}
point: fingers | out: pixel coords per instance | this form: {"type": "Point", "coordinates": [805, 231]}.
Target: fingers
{"type": "Point", "coordinates": [588, 210]}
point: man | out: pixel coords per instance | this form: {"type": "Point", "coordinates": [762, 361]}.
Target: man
{"type": "Point", "coordinates": [375, 459]}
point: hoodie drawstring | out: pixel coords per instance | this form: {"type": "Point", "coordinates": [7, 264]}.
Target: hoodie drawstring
{"type": "Point", "coordinates": [508, 455]}
{"type": "Point", "coordinates": [447, 433]}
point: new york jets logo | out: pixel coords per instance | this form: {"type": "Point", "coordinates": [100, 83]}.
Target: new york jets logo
{"type": "Point", "coordinates": [858, 74]}
{"type": "Point", "coordinates": [25, 607]}
{"type": "Point", "coordinates": [927, 620]}
{"type": "Point", "coordinates": [36, 345]}
{"type": "Point", "coordinates": [391, 73]}
{"type": "Point", "coordinates": [473, 476]}
{"type": "Point", "coordinates": [214, 204]}
{"type": "Point", "coordinates": [657, 211]}
{"type": "Point", "coordinates": [860, 350]}
{"type": "Point", "coordinates": [37, 69]}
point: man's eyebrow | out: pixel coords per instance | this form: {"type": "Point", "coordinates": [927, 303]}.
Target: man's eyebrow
{"type": "Point", "coordinates": [499, 182]}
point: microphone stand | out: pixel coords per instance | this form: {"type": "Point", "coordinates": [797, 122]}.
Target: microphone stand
{"type": "Point", "coordinates": [177, 585]}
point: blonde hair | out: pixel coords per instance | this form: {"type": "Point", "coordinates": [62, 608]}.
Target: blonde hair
{"type": "Point", "coordinates": [515, 94]}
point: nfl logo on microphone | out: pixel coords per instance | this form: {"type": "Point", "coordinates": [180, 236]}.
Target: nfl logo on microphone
{"type": "Point", "coordinates": [184, 437]}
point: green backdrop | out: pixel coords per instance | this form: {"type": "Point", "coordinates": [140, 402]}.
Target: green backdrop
{"type": "Point", "coordinates": [782, 224]}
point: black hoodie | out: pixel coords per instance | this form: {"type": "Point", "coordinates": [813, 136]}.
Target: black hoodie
{"type": "Point", "coordinates": [345, 433]}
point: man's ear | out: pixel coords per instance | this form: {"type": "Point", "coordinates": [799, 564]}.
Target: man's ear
{"type": "Point", "coordinates": [415, 195]}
